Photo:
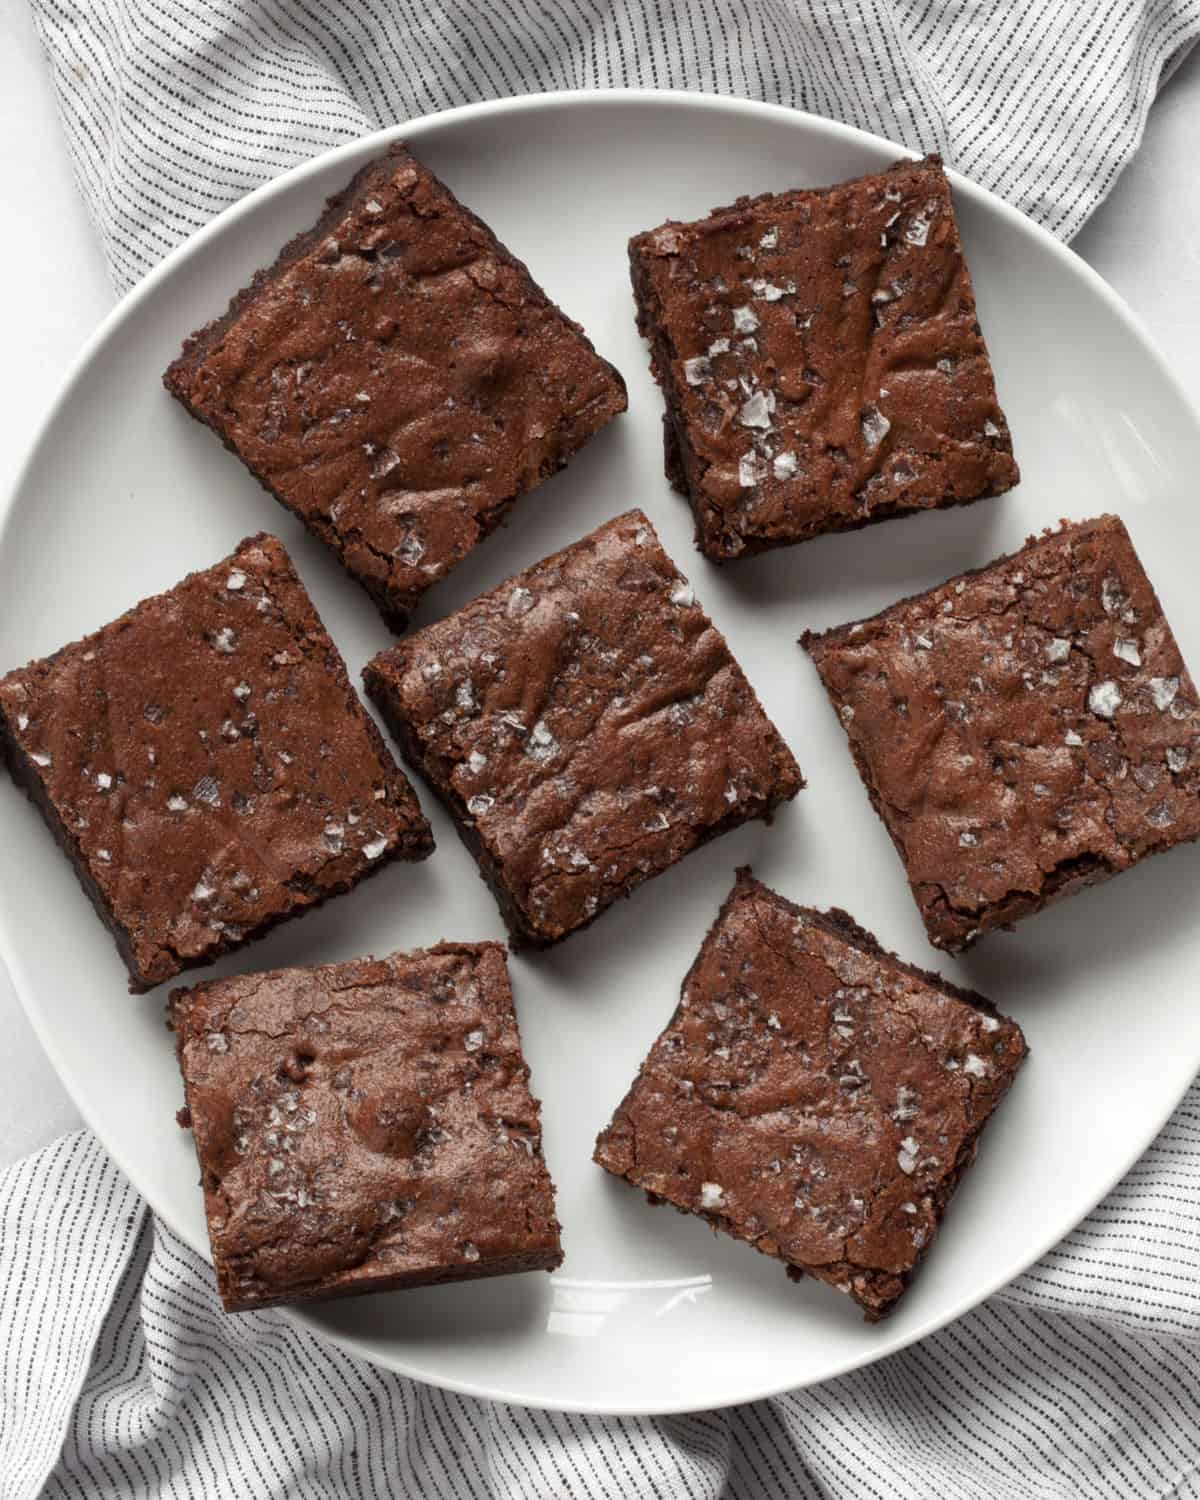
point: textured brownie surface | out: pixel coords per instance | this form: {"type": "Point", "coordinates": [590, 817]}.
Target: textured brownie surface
{"type": "Point", "coordinates": [586, 726]}
{"type": "Point", "coordinates": [365, 1125]}
{"type": "Point", "coordinates": [206, 765]}
{"type": "Point", "coordinates": [821, 361]}
{"type": "Point", "coordinates": [1023, 730]}
{"type": "Point", "coordinates": [397, 379]}
{"type": "Point", "coordinates": [814, 1096]}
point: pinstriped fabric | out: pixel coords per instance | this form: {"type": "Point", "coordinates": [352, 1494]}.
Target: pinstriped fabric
{"type": "Point", "coordinates": [123, 1378]}
{"type": "Point", "coordinates": [119, 1375]}
{"type": "Point", "coordinates": [174, 109]}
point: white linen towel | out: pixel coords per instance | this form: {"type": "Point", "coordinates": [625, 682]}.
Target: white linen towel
{"type": "Point", "coordinates": [119, 1375]}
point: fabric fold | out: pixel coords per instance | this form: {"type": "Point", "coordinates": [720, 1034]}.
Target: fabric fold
{"type": "Point", "coordinates": [174, 110]}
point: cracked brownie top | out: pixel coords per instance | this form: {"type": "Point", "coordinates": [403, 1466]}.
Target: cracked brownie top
{"type": "Point", "coordinates": [586, 725]}
{"type": "Point", "coordinates": [397, 379]}
{"type": "Point", "coordinates": [814, 1095]}
{"type": "Point", "coordinates": [364, 1125]}
{"type": "Point", "coordinates": [1022, 730]}
{"type": "Point", "coordinates": [821, 360]}
{"type": "Point", "coordinates": [206, 764]}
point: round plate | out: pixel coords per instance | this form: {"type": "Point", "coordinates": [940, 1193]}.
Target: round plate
{"type": "Point", "coordinates": [124, 493]}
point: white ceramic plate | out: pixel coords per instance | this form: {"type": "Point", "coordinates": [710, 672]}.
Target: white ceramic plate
{"type": "Point", "coordinates": [124, 493]}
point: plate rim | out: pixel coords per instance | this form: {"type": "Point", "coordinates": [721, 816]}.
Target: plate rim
{"type": "Point", "coordinates": [425, 125]}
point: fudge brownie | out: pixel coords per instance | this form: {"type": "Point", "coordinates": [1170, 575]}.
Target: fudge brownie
{"type": "Point", "coordinates": [821, 361]}
{"type": "Point", "coordinates": [397, 379]}
{"type": "Point", "coordinates": [364, 1126]}
{"type": "Point", "coordinates": [814, 1096]}
{"type": "Point", "coordinates": [586, 726]}
{"type": "Point", "coordinates": [1023, 730]}
{"type": "Point", "coordinates": [206, 765]}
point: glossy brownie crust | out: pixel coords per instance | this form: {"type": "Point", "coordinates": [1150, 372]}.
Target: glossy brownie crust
{"type": "Point", "coordinates": [1023, 730]}
{"type": "Point", "coordinates": [814, 1096]}
{"type": "Point", "coordinates": [821, 361]}
{"type": "Point", "coordinates": [364, 1126]}
{"type": "Point", "coordinates": [586, 726]}
{"type": "Point", "coordinates": [396, 379]}
{"type": "Point", "coordinates": [206, 766]}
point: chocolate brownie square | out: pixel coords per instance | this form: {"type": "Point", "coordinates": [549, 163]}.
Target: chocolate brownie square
{"type": "Point", "coordinates": [814, 1096]}
{"type": "Point", "coordinates": [1024, 730]}
{"type": "Point", "coordinates": [364, 1126]}
{"type": "Point", "coordinates": [396, 380]}
{"type": "Point", "coordinates": [586, 726]}
{"type": "Point", "coordinates": [821, 361]}
{"type": "Point", "coordinates": [206, 766]}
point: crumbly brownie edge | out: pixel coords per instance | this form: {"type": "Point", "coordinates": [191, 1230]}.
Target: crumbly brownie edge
{"type": "Point", "coordinates": [837, 634]}
{"type": "Point", "coordinates": [178, 376]}
{"type": "Point", "coordinates": [841, 924]}
{"type": "Point", "coordinates": [673, 459]}
{"type": "Point", "coordinates": [949, 930]}
{"type": "Point", "coordinates": [748, 203]}
{"type": "Point", "coordinates": [232, 1302]}
{"type": "Point", "coordinates": [180, 1004]}
{"type": "Point", "coordinates": [418, 843]}
{"type": "Point", "coordinates": [884, 1288]}
{"type": "Point", "coordinates": [25, 776]}
{"type": "Point", "coordinates": [680, 463]}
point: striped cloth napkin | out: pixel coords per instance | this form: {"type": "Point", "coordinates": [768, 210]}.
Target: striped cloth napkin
{"type": "Point", "coordinates": [119, 1375]}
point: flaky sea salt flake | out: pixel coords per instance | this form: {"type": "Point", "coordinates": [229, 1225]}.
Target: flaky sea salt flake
{"type": "Point", "coordinates": [1162, 692]}
{"type": "Point", "coordinates": [875, 426]}
{"type": "Point", "coordinates": [520, 602]}
{"type": "Point", "coordinates": [750, 470]}
{"type": "Point", "coordinates": [682, 594]}
{"type": "Point", "coordinates": [1126, 650]}
{"type": "Point", "coordinates": [697, 371]}
{"type": "Point", "coordinates": [1104, 698]}
{"type": "Point", "coordinates": [784, 465]}
{"type": "Point", "coordinates": [756, 411]}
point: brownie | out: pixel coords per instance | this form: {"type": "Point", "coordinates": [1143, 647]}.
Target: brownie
{"type": "Point", "coordinates": [821, 361]}
{"type": "Point", "coordinates": [206, 765]}
{"type": "Point", "coordinates": [814, 1096]}
{"type": "Point", "coordinates": [1024, 730]}
{"type": "Point", "coordinates": [364, 1126]}
{"type": "Point", "coordinates": [586, 726]}
{"type": "Point", "coordinates": [397, 379]}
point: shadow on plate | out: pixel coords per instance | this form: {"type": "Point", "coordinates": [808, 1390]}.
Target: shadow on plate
{"type": "Point", "coordinates": [1154, 905]}
{"type": "Point", "coordinates": [883, 563]}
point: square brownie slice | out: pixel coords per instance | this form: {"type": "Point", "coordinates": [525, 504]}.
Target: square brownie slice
{"type": "Point", "coordinates": [821, 361]}
{"type": "Point", "coordinates": [1024, 730]}
{"type": "Point", "coordinates": [814, 1096]}
{"type": "Point", "coordinates": [586, 726]}
{"type": "Point", "coordinates": [206, 765]}
{"type": "Point", "coordinates": [397, 379]}
{"type": "Point", "coordinates": [364, 1126]}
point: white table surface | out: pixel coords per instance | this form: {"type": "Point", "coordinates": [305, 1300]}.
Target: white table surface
{"type": "Point", "coordinates": [54, 289]}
